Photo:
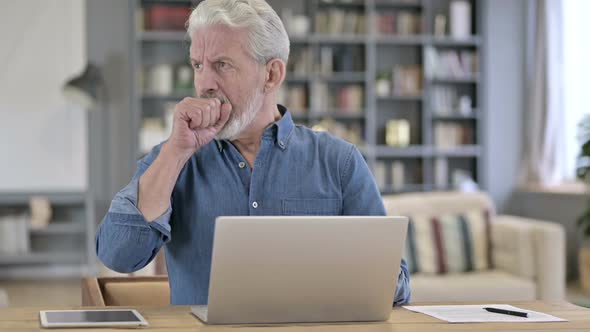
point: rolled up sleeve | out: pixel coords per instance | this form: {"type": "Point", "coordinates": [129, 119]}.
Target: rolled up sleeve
{"type": "Point", "coordinates": [125, 240]}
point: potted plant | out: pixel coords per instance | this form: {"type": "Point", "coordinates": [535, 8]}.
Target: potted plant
{"type": "Point", "coordinates": [583, 173]}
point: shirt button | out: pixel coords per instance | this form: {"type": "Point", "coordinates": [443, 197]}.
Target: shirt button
{"type": "Point", "coordinates": [242, 164]}
{"type": "Point", "coordinates": [281, 144]}
{"type": "Point", "coordinates": [254, 204]}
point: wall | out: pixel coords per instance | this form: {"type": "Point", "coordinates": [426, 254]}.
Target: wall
{"type": "Point", "coordinates": [503, 62]}
{"type": "Point", "coordinates": [43, 143]}
{"type": "Point", "coordinates": [109, 46]}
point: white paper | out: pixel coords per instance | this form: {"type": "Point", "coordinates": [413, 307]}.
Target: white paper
{"type": "Point", "coordinates": [476, 314]}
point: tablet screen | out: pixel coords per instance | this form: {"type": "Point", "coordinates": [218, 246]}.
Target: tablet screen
{"type": "Point", "coordinates": [93, 316]}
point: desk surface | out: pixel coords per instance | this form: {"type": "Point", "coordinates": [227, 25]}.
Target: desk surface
{"type": "Point", "coordinates": [179, 318]}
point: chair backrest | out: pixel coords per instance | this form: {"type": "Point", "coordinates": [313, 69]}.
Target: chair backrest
{"type": "Point", "coordinates": [437, 203]}
{"type": "Point", "coordinates": [125, 291]}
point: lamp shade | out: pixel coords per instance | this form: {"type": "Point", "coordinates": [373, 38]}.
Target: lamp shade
{"type": "Point", "coordinates": [83, 89]}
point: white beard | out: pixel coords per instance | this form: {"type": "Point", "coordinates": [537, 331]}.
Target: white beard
{"type": "Point", "coordinates": [238, 122]}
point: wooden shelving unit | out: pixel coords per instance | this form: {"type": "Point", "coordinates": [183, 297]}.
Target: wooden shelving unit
{"type": "Point", "coordinates": [379, 52]}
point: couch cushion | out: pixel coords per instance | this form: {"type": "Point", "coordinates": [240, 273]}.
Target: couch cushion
{"type": "Point", "coordinates": [492, 285]}
{"type": "Point", "coordinates": [449, 243]}
{"type": "Point", "coordinates": [437, 203]}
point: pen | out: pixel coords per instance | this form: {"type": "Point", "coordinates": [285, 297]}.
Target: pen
{"type": "Point", "coordinates": [507, 312]}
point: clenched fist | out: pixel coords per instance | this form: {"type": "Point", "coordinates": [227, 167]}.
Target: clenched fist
{"type": "Point", "coordinates": [196, 122]}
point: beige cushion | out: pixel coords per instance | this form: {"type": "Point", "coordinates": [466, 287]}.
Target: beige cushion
{"type": "Point", "coordinates": [494, 285]}
{"type": "Point", "coordinates": [137, 293]}
{"type": "Point", "coordinates": [437, 203]}
{"type": "Point", "coordinates": [514, 246]}
{"type": "Point", "coordinates": [448, 243]}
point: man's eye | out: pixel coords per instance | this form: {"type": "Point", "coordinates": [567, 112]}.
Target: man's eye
{"type": "Point", "coordinates": [197, 66]}
{"type": "Point", "coordinates": [223, 65]}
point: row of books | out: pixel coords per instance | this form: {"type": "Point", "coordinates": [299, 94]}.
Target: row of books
{"type": "Point", "coordinates": [338, 21]}
{"type": "Point", "coordinates": [351, 132]}
{"type": "Point", "coordinates": [341, 59]}
{"type": "Point", "coordinates": [332, 59]}
{"type": "Point", "coordinates": [448, 135]}
{"type": "Point", "coordinates": [396, 174]}
{"type": "Point", "coordinates": [401, 23]}
{"type": "Point", "coordinates": [348, 99]}
{"type": "Point", "coordinates": [162, 17]}
{"type": "Point", "coordinates": [295, 97]}
{"type": "Point", "coordinates": [300, 61]}
{"type": "Point", "coordinates": [450, 63]}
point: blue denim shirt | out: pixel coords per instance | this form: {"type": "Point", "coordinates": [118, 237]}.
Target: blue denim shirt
{"type": "Point", "coordinates": [297, 172]}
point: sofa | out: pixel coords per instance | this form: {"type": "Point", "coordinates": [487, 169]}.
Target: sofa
{"type": "Point", "coordinates": [527, 255]}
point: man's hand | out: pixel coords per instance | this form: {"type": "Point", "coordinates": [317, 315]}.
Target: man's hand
{"type": "Point", "coordinates": [196, 122]}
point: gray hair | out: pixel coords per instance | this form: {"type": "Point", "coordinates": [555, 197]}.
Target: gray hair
{"type": "Point", "coordinates": [267, 36]}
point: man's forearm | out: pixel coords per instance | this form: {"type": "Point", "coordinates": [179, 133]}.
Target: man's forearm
{"type": "Point", "coordinates": [157, 183]}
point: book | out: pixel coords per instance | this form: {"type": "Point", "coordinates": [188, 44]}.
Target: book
{"type": "Point", "coordinates": [326, 60]}
{"type": "Point", "coordinates": [441, 173]}
{"type": "Point", "coordinates": [336, 21]}
{"type": "Point", "coordinates": [398, 176]}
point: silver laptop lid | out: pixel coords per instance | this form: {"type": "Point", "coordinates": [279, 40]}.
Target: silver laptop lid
{"type": "Point", "coordinates": [304, 269]}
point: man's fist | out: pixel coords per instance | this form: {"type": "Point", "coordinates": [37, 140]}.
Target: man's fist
{"type": "Point", "coordinates": [196, 122]}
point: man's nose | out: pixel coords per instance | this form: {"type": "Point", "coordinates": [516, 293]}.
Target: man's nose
{"type": "Point", "coordinates": [205, 82]}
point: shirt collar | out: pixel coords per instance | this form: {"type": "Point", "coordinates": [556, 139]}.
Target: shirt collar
{"type": "Point", "coordinates": [281, 130]}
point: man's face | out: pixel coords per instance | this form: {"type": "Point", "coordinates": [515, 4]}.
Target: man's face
{"type": "Point", "coordinates": [224, 69]}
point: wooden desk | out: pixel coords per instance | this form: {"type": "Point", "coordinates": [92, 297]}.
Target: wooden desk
{"type": "Point", "coordinates": [179, 318]}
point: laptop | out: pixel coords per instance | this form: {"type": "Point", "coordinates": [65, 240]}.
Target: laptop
{"type": "Point", "coordinates": [303, 269]}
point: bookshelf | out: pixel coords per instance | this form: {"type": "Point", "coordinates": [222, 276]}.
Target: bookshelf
{"type": "Point", "coordinates": [62, 248]}
{"type": "Point", "coordinates": [354, 67]}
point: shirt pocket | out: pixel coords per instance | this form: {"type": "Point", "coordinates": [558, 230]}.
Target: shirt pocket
{"type": "Point", "coordinates": [311, 207]}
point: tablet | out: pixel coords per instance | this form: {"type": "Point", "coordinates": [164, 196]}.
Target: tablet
{"type": "Point", "coordinates": [92, 318]}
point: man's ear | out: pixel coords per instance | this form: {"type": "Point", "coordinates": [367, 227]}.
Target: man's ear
{"type": "Point", "coordinates": [275, 74]}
